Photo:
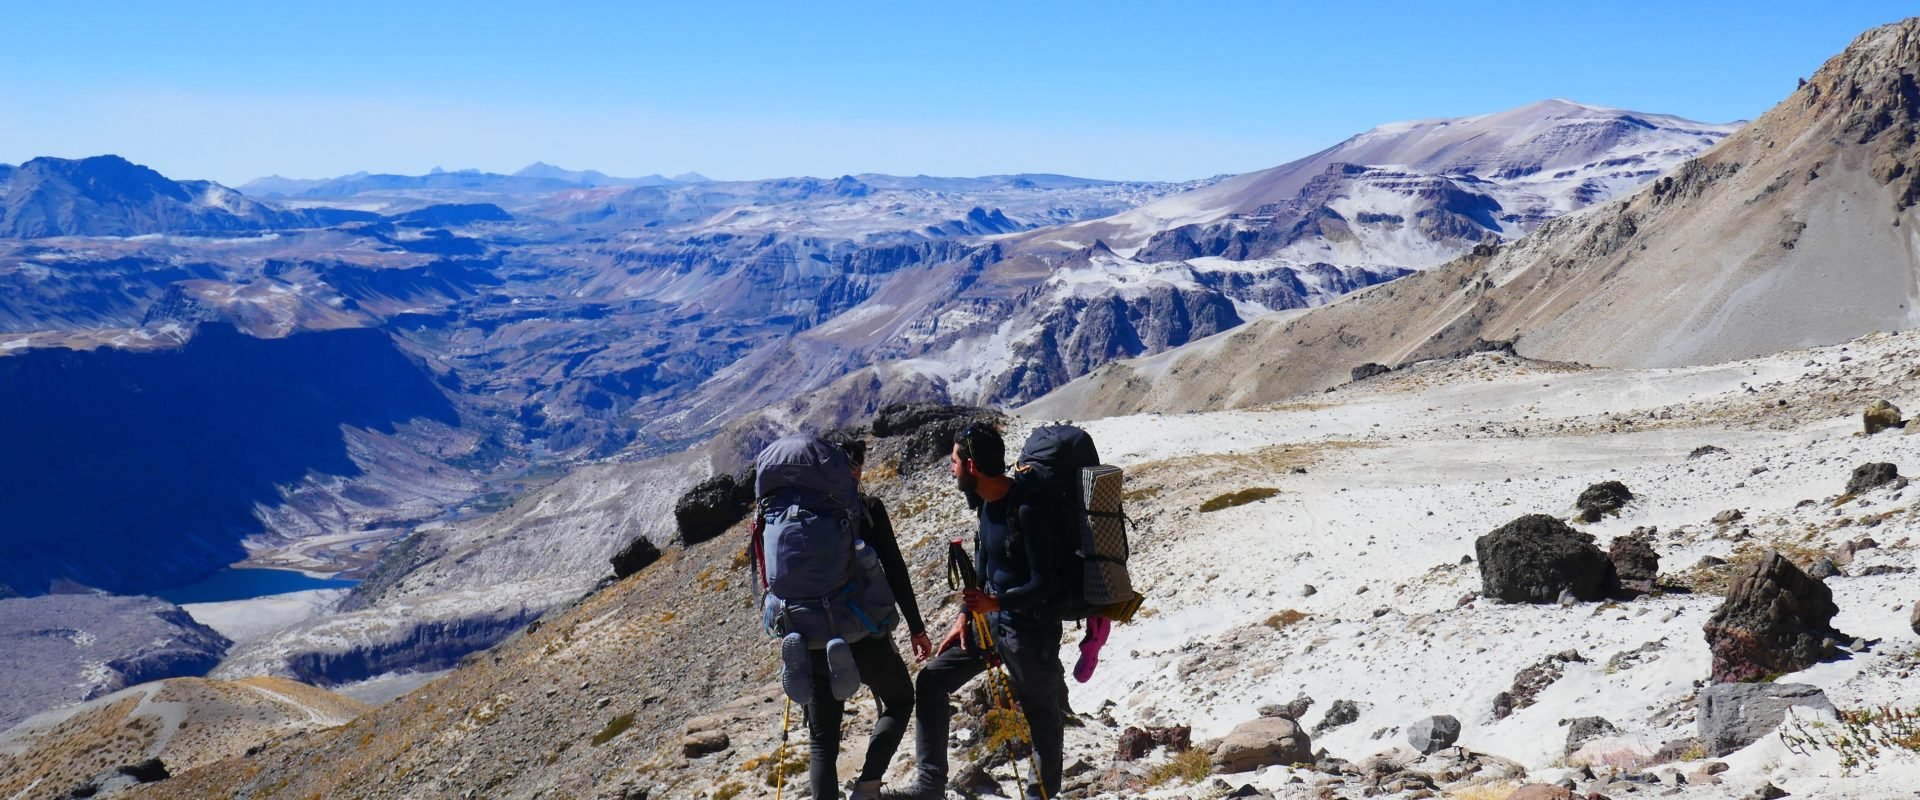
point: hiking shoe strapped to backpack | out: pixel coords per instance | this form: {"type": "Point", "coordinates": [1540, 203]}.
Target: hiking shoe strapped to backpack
{"type": "Point", "coordinates": [796, 669]}
{"type": "Point", "coordinates": [816, 577]}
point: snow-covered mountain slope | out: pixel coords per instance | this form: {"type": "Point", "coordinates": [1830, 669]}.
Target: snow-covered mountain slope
{"type": "Point", "coordinates": [1797, 230]}
{"type": "Point", "coordinates": [1292, 237]}
{"type": "Point", "coordinates": [1520, 167]}
{"type": "Point", "coordinates": [865, 208]}
{"type": "Point", "coordinates": [1380, 489]}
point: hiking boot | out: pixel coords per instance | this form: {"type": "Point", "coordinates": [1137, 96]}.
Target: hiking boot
{"type": "Point", "coordinates": [796, 669]}
{"type": "Point", "coordinates": [865, 790]}
{"type": "Point", "coordinates": [922, 788]}
{"type": "Point", "coordinates": [843, 676]}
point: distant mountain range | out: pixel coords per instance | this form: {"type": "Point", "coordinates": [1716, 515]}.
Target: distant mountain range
{"type": "Point", "coordinates": [110, 196]}
{"type": "Point", "coordinates": [540, 177]}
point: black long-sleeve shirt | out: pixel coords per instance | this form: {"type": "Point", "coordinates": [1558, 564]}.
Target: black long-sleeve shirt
{"type": "Point", "coordinates": [878, 533]}
{"type": "Point", "coordinates": [1014, 559]}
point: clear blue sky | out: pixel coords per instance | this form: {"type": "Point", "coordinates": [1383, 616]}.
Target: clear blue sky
{"type": "Point", "coordinates": [235, 90]}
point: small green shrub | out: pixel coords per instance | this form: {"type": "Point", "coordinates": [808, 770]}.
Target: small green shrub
{"type": "Point", "coordinates": [1858, 737]}
{"type": "Point", "coordinates": [616, 726]}
{"type": "Point", "coordinates": [1239, 498]}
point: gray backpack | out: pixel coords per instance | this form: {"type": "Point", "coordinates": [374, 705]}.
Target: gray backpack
{"type": "Point", "coordinates": [816, 576]}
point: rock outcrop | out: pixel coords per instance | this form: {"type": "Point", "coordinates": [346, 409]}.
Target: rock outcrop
{"type": "Point", "coordinates": [1734, 715]}
{"type": "Point", "coordinates": [1601, 499]}
{"type": "Point", "coordinates": [928, 429]}
{"type": "Point", "coordinates": [1776, 619]}
{"type": "Point", "coordinates": [712, 506]}
{"type": "Point", "coordinates": [1262, 742]}
{"type": "Point", "coordinates": [634, 557]}
{"type": "Point", "coordinates": [1433, 734]}
{"type": "Point", "coordinates": [1340, 714]}
{"type": "Point", "coordinates": [1535, 558]}
{"type": "Point", "coordinates": [1880, 416]}
{"type": "Point", "coordinates": [1581, 730]}
{"type": "Point", "coordinates": [1370, 369]}
{"type": "Point", "coordinates": [1868, 477]}
{"type": "Point", "coordinates": [1636, 567]}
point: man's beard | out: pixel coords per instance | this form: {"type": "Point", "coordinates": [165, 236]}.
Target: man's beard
{"type": "Point", "coordinates": [968, 484]}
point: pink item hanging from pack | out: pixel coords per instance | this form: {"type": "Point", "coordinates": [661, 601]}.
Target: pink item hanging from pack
{"type": "Point", "coordinates": [1097, 629]}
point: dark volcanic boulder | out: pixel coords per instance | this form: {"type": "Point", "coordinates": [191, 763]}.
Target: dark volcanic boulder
{"type": "Point", "coordinates": [1536, 557]}
{"type": "Point", "coordinates": [1581, 730]}
{"type": "Point", "coordinates": [1368, 370]}
{"type": "Point", "coordinates": [902, 419]}
{"type": "Point", "coordinates": [1734, 715]}
{"type": "Point", "coordinates": [928, 428]}
{"type": "Point", "coordinates": [1342, 712]}
{"type": "Point", "coordinates": [711, 507]}
{"type": "Point", "coordinates": [635, 557]}
{"type": "Point", "coordinates": [1601, 499]}
{"type": "Point", "coordinates": [1636, 567]}
{"type": "Point", "coordinates": [1872, 476]}
{"type": "Point", "coordinates": [1776, 619]}
{"type": "Point", "coordinates": [147, 771]}
{"type": "Point", "coordinates": [1433, 734]}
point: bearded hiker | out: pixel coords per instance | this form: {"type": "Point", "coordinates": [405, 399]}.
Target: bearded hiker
{"type": "Point", "coordinates": [1014, 617]}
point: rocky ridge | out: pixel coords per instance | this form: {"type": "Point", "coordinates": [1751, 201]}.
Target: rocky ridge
{"type": "Point", "coordinates": [1225, 634]}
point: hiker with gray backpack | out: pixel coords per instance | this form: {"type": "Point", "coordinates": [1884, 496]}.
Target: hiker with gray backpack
{"type": "Point", "coordinates": [1051, 546]}
{"type": "Point", "coordinates": [832, 586]}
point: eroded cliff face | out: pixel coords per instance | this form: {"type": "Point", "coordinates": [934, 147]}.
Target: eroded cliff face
{"type": "Point", "coordinates": [1079, 334]}
{"type": "Point", "coordinates": [423, 646]}
{"type": "Point", "coordinates": [1100, 308]}
{"type": "Point", "coordinates": [134, 471]}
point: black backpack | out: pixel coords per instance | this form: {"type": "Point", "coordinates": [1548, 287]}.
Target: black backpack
{"type": "Point", "coordinates": [1061, 467]}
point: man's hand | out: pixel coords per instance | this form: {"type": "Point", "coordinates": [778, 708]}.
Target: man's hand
{"type": "Point", "coordinates": [922, 647]}
{"type": "Point", "coordinates": [980, 602]}
{"type": "Point", "coordinates": [953, 636]}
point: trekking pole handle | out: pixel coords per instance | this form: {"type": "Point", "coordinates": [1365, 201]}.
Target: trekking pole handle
{"type": "Point", "coordinates": [961, 564]}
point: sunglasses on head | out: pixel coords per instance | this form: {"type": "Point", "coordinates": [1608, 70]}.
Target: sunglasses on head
{"type": "Point", "coordinates": [966, 437]}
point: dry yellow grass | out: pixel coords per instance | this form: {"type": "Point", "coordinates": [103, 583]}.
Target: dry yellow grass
{"type": "Point", "coordinates": [1284, 618]}
{"type": "Point", "coordinates": [1485, 791]}
{"type": "Point", "coordinates": [1191, 766]}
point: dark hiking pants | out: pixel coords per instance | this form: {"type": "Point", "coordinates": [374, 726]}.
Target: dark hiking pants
{"type": "Point", "coordinates": [1030, 650]}
{"type": "Point", "coordinates": [886, 675]}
